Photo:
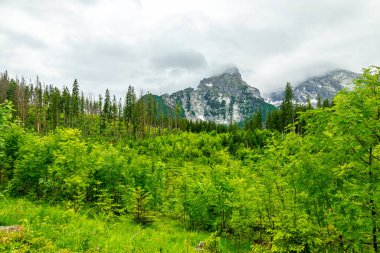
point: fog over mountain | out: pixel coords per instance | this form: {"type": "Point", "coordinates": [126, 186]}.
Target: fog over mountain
{"type": "Point", "coordinates": [165, 46]}
{"type": "Point", "coordinates": [324, 86]}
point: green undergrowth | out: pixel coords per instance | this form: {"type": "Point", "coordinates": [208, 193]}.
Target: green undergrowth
{"type": "Point", "coordinates": [54, 229]}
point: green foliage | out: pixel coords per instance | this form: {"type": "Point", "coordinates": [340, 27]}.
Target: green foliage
{"type": "Point", "coordinates": [54, 229]}
{"type": "Point", "coordinates": [5, 114]}
{"type": "Point", "coordinates": [311, 187]}
{"type": "Point", "coordinates": [140, 211]}
{"type": "Point", "coordinates": [212, 243]}
{"type": "Point", "coordinates": [8, 143]}
{"type": "Point", "coordinates": [31, 167]}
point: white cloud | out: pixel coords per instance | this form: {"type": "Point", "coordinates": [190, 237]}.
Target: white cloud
{"type": "Point", "coordinates": [163, 46]}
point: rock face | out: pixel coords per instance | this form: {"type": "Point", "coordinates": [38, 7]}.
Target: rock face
{"type": "Point", "coordinates": [223, 99]}
{"type": "Point", "coordinates": [327, 86]}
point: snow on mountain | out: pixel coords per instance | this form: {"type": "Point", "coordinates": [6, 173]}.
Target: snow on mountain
{"type": "Point", "coordinates": [326, 86]}
{"type": "Point", "coordinates": [222, 98]}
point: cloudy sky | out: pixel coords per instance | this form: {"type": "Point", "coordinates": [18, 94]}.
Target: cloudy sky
{"type": "Point", "coordinates": [166, 45]}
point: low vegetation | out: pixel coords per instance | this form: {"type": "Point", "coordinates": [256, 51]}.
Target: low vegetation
{"type": "Point", "coordinates": [312, 187]}
{"type": "Point", "coordinates": [55, 229]}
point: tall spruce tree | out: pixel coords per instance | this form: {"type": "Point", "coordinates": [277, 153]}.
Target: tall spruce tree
{"type": "Point", "coordinates": [257, 120]}
{"type": "Point", "coordinates": [107, 106]}
{"type": "Point", "coordinates": [66, 106]}
{"type": "Point", "coordinates": [287, 107]}
{"type": "Point", "coordinates": [129, 104]}
{"type": "Point", "coordinates": [74, 106]}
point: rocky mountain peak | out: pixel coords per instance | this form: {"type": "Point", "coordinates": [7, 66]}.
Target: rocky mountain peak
{"type": "Point", "coordinates": [326, 86]}
{"type": "Point", "coordinates": [222, 98]}
{"type": "Point", "coordinates": [229, 82]}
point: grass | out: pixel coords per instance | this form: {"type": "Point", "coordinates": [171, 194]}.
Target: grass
{"type": "Point", "coordinates": [54, 229]}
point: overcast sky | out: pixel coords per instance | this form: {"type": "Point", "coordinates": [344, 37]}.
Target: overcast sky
{"type": "Point", "coordinates": [166, 45]}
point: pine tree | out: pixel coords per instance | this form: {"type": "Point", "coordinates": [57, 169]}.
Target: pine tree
{"type": "Point", "coordinates": [319, 101]}
{"type": "Point", "coordinates": [4, 84]}
{"type": "Point", "coordinates": [83, 109]}
{"type": "Point", "coordinates": [54, 108]}
{"type": "Point", "coordinates": [102, 119]}
{"type": "Point", "coordinates": [11, 94]}
{"type": "Point", "coordinates": [114, 114]}
{"type": "Point", "coordinates": [45, 107]}
{"type": "Point", "coordinates": [129, 104]}
{"type": "Point", "coordinates": [39, 98]}
{"type": "Point", "coordinates": [308, 102]}
{"type": "Point", "coordinates": [140, 209]}
{"type": "Point", "coordinates": [107, 106]}
{"type": "Point", "coordinates": [149, 108]}
{"type": "Point", "coordinates": [119, 116]}
{"type": "Point", "coordinates": [326, 103]}
{"type": "Point", "coordinates": [257, 120]}
{"type": "Point", "coordinates": [25, 97]}
{"type": "Point", "coordinates": [287, 107]}
{"type": "Point", "coordinates": [66, 106]}
{"type": "Point", "coordinates": [177, 114]}
{"type": "Point", "coordinates": [74, 106]}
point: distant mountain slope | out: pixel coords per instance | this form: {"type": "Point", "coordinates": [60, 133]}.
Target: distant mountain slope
{"type": "Point", "coordinates": [222, 99]}
{"type": "Point", "coordinates": [327, 86]}
{"type": "Point", "coordinates": [161, 107]}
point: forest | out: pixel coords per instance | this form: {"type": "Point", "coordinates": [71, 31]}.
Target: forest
{"type": "Point", "coordinates": [299, 179]}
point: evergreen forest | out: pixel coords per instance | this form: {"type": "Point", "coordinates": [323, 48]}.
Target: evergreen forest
{"type": "Point", "coordinates": [102, 174]}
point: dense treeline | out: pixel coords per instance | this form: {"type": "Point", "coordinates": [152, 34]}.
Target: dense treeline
{"type": "Point", "coordinates": [312, 187]}
{"type": "Point", "coordinates": [46, 107]}
{"type": "Point", "coordinates": [288, 113]}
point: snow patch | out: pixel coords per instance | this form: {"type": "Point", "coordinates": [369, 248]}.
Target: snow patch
{"type": "Point", "coordinates": [314, 102]}
{"type": "Point", "coordinates": [208, 84]}
{"type": "Point", "coordinates": [201, 117]}
{"type": "Point", "coordinates": [220, 98]}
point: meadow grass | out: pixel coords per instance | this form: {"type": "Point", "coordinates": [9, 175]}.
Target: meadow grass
{"type": "Point", "coordinates": [55, 229]}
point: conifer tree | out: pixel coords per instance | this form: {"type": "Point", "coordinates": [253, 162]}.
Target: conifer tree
{"type": "Point", "coordinates": [74, 106]}
{"type": "Point", "coordinates": [107, 105]}
{"type": "Point", "coordinates": [119, 116]}
{"type": "Point", "coordinates": [83, 109]}
{"type": "Point", "coordinates": [45, 107]}
{"type": "Point", "coordinates": [114, 114]}
{"type": "Point", "coordinates": [54, 108]}
{"type": "Point", "coordinates": [287, 107]}
{"type": "Point", "coordinates": [319, 101]}
{"type": "Point", "coordinates": [129, 104]}
{"type": "Point", "coordinates": [39, 98]}
{"type": "Point", "coordinates": [149, 109]}
{"type": "Point", "coordinates": [4, 83]}
{"type": "Point", "coordinates": [308, 104]}
{"type": "Point", "coordinates": [326, 103]}
{"type": "Point", "coordinates": [102, 120]}
{"type": "Point", "coordinates": [257, 120]}
{"type": "Point", "coordinates": [66, 106]}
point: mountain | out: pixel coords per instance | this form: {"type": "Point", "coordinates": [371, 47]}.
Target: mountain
{"type": "Point", "coordinates": [222, 98]}
{"type": "Point", "coordinates": [326, 85]}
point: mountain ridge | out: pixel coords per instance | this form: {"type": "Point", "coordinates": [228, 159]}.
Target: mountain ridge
{"type": "Point", "coordinates": [226, 98]}
{"type": "Point", "coordinates": [325, 85]}
{"type": "Point", "coordinates": [223, 98]}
